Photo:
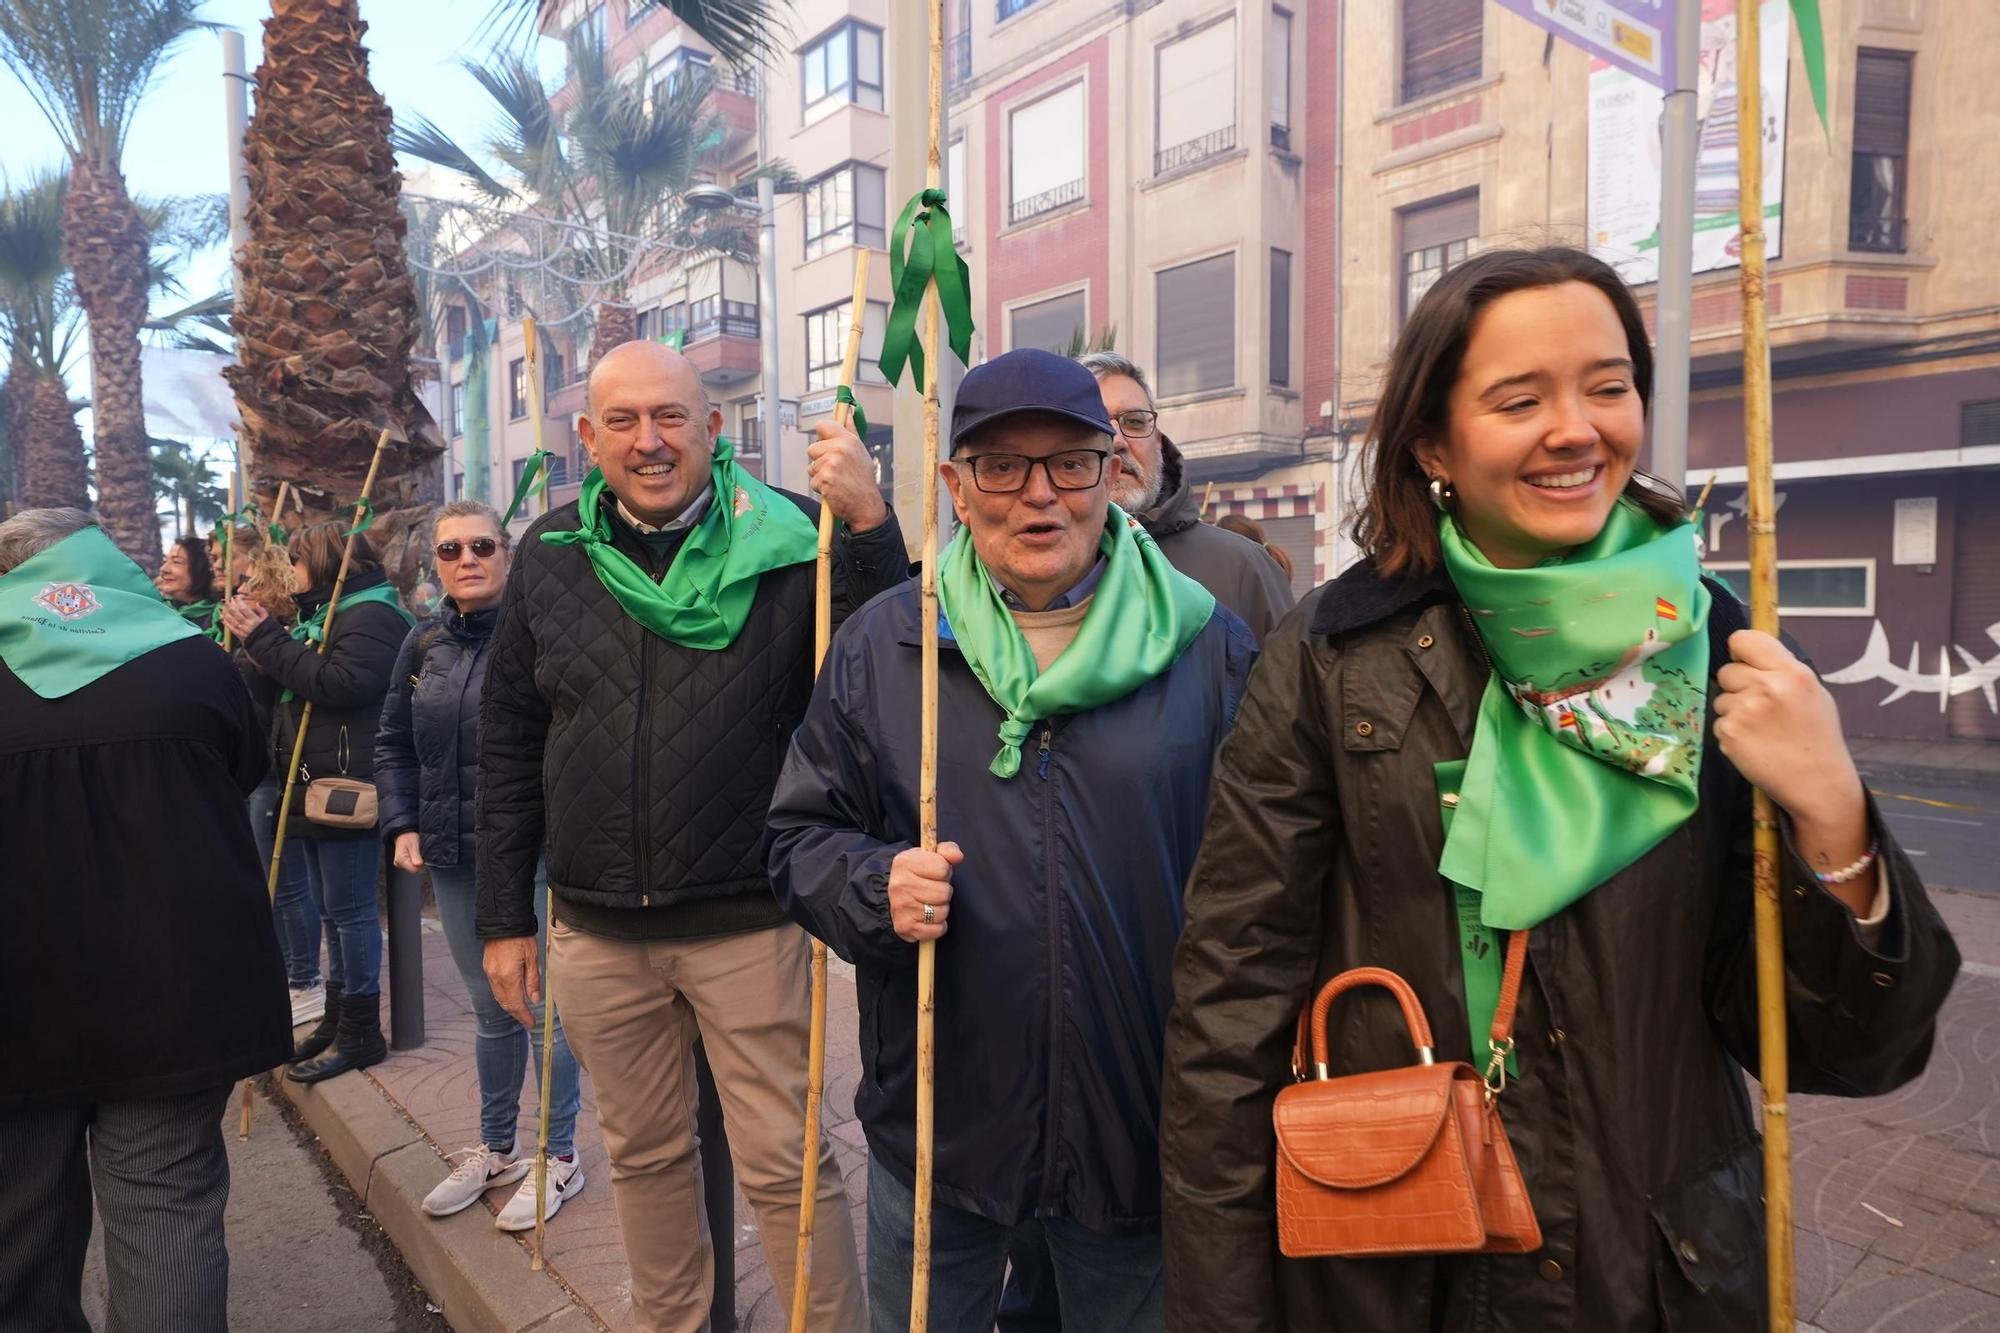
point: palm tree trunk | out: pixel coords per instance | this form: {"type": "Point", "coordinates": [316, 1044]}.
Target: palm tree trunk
{"type": "Point", "coordinates": [617, 322]}
{"type": "Point", "coordinates": [109, 250]}
{"type": "Point", "coordinates": [51, 446]}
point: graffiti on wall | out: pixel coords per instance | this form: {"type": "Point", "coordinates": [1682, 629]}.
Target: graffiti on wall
{"type": "Point", "coordinates": [1875, 663]}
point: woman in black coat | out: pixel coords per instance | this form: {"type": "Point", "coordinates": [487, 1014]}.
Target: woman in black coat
{"type": "Point", "coordinates": [346, 686]}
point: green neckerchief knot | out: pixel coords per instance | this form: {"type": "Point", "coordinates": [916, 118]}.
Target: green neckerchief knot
{"type": "Point", "coordinates": [924, 229]}
{"type": "Point", "coordinates": [202, 616]}
{"type": "Point", "coordinates": [530, 475]}
{"type": "Point", "coordinates": [1141, 618]}
{"type": "Point", "coordinates": [1588, 748]}
{"type": "Point", "coordinates": [312, 628]}
{"type": "Point", "coordinates": [79, 611]}
{"type": "Point", "coordinates": [855, 417]}
{"type": "Point", "coordinates": [708, 590]}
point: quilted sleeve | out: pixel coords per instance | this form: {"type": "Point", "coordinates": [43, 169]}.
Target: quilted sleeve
{"type": "Point", "coordinates": [1244, 966]}
{"type": "Point", "coordinates": [397, 788]}
{"type": "Point", "coordinates": [513, 731]}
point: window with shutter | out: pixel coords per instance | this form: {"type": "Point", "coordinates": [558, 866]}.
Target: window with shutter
{"type": "Point", "coordinates": [1433, 238]}
{"type": "Point", "coordinates": [1880, 178]}
{"type": "Point", "coordinates": [1278, 78]}
{"type": "Point", "coordinates": [1441, 44]}
{"type": "Point", "coordinates": [1195, 97]}
{"type": "Point", "coordinates": [1051, 325]}
{"type": "Point", "coordinates": [1281, 318]}
{"type": "Point", "coordinates": [1045, 154]}
{"type": "Point", "coordinates": [1195, 311]}
{"type": "Point", "coordinates": [1979, 423]}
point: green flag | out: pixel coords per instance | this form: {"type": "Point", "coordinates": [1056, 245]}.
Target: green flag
{"type": "Point", "coordinates": [79, 611]}
{"type": "Point", "coordinates": [1812, 45]}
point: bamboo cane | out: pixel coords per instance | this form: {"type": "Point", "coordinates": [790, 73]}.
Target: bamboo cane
{"type": "Point", "coordinates": [1771, 1028]}
{"type": "Point", "coordinates": [920, 1262]}
{"type": "Point", "coordinates": [822, 638]}
{"type": "Point", "coordinates": [532, 351]}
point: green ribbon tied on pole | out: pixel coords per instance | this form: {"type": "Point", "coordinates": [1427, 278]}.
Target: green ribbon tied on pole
{"type": "Point", "coordinates": [856, 418]}
{"type": "Point", "coordinates": [924, 230]}
{"type": "Point", "coordinates": [532, 477]}
{"type": "Point", "coordinates": [251, 516]}
{"type": "Point", "coordinates": [367, 519]}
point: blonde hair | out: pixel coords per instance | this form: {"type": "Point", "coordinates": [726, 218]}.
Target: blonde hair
{"type": "Point", "coordinates": [472, 509]}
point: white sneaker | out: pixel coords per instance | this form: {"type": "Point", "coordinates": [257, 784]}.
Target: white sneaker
{"type": "Point", "coordinates": [565, 1181]}
{"type": "Point", "coordinates": [482, 1169]}
{"type": "Point", "coordinates": [308, 1003]}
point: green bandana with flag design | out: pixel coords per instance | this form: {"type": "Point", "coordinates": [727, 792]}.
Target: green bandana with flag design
{"type": "Point", "coordinates": [79, 611]}
{"type": "Point", "coordinates": [706, 595]}
{"type": "Point", "coordinates": [1588, 747]}
{"type": "Point", "coordinates": [1142, 616]}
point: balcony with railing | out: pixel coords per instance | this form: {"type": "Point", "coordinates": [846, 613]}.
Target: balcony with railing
{"type": "Point", "coordinates": [1048, 201]}
{"type": "Point", "coordinates": [1213, 144]}
{"type": "Point", "coordinates": [722, 339]}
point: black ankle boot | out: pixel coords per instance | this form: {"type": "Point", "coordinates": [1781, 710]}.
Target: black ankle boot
{"type": "Point", "coordinates": [320, 1037]}
{"type": "Point", "coordinates": [357, 1043]}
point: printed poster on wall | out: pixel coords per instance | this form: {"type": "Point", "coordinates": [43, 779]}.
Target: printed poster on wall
{"type": "Point", "coordinates": [1626, 124]}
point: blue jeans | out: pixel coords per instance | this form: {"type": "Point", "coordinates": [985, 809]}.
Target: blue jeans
{"type": "Point", "coordinates": [342, 872]}
{"type": "Point", "coordinates": [297, 917]}
{"type": "Point", "coordinates": [1108, 1284]}
{"type": "Point", "coordinates": [501, 1044]}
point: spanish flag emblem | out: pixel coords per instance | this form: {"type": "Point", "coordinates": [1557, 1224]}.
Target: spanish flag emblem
{"type": "Point", "coordinates": [1665, 609]}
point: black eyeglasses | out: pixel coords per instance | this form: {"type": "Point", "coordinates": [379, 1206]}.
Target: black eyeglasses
{"type": "Point", "coordinates": [1136, 424]}
{"type": "Point", "coordinates": [483, 547]}
{"type": "Point", "coordinates": [1070, 470]}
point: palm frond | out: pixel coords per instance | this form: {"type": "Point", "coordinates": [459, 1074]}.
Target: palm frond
{"type": "Point", "coordinates": [743, 32]}
{"type": "Point", "coordinates": [87, 63]}
{"type": "Point", "coordinates": [423, 139]}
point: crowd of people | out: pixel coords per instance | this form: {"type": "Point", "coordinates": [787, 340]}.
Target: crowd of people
{"type": "Point", "coordinates": [1171, 805]}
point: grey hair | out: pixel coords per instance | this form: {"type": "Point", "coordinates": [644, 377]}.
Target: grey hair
{"type": "Point", "coordinates": [472, 509]}
{"type": "Point", "coordinates": [33, 531]}
{"type": "Point", "coordinates": [1102, 364]}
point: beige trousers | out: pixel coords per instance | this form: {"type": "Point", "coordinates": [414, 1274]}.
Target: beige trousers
{"type": "Point", "coordinates": [632, 1010]}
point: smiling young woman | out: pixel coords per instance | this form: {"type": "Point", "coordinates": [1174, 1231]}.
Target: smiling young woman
{"type": "Point", "coordinates": [1527, 711]}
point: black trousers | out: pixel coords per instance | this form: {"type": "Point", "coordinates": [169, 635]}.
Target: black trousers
{"type": "Point", "coordinates": [160, 1174]}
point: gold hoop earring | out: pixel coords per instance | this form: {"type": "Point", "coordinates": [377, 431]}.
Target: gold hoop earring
{"type": "Point", "coordinates": [1442, 494]}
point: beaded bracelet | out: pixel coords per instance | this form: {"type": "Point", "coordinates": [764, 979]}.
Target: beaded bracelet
{"type": "Point", "coordinates": [1846, 873]}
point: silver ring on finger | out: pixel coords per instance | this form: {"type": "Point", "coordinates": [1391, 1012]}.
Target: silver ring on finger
{"type": "Point", "coordinates": [930, 914]}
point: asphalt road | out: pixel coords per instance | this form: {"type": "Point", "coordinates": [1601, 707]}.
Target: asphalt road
{"type": "Point", "coordinates": [302, 1255]}
{"type": "Point", "coordinates": [1953, 832]}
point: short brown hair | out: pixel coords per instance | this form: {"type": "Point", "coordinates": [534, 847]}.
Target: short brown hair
{"type": "Point", "coordinates": [318, 546]}
{"type": "Point", "coordinates": [1397, 524]}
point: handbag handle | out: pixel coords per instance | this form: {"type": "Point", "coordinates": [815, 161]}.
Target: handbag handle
{"type": "Point", "coordinates": [1312, 1017]}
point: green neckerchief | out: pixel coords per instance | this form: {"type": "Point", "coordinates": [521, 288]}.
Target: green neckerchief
{"type": "Point", "coordinates": [202, 616]}
{"type": "Point", "coordinates": [313, 627]}
{"type": "Point", "coordinates": [709, 587]}
{"type": "Point", "coordinates": [1142, 616]}
{"type": "Point", "coordinates": [1588, 747]}
{"type": "Point", "coordinates": [78, 611]}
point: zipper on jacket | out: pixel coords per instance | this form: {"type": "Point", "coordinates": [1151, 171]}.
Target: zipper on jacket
{"type": "Point", "coordinates": [642, 770]}
{"type": "Point", "coordinates": [1478, 643]}
{"type": "Point", "coordinates": [1053, 897]}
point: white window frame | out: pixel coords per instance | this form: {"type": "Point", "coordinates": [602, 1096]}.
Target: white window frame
{"type": "Point", "coordinates": [1042, 298]}
{"type": "Point", "coordinates": [851, 89]}
{"type": "Point", "coordinates": [1863, 563]}
{"type": "Point", "coordinates": [1040, 96]}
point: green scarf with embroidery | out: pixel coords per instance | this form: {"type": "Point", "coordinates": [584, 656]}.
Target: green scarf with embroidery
{"type": "Point", "coordinates": [1588, 748]}
{"type": "Point", "coordinates": [708, 590]}
{"type": "Point", "coordinates": [1142, 616]}
{"type": "Point", "coordinates": [79, 611]}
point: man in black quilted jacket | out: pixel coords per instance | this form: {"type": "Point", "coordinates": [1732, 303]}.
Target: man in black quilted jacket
{"type": "Point", "coordinates": [652, 659]}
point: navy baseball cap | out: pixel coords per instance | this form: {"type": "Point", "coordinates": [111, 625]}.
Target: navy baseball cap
{"type": "Point", "coordinates": [1025, 380]}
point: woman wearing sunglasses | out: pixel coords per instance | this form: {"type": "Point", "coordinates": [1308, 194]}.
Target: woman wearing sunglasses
{"type": "Point", "coordinates": [426, 761]}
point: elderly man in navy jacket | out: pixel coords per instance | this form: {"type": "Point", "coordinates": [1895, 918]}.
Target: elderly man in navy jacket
{"type": "Point", "coordinates": [1107, 680]}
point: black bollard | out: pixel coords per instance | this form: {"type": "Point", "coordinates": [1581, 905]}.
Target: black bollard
{"type": "Point", "coordinates": [406, 960]}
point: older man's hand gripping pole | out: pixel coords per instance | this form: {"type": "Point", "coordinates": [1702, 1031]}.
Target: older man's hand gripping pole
{"type": "Point", "coordinates": [823, 475]}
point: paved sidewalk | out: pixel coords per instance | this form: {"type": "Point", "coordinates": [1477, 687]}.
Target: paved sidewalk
{"type": "Point", "coordinates": [1928, 1157]}
{"type": "Point", "coordinates": [1954, 761]}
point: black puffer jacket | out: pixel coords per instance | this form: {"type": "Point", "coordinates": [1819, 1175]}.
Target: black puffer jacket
{"type": "Point", "coordinates": [1637, 1013]}
{"type": "Point", "coordinates": [346, 687]}
{"type": "Point", "coordinates": [427, 748]}
{"type": "Point", "coordinates": [645, 766]}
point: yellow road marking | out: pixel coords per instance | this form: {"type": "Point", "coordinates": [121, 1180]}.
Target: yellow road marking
{"type": "Point", "coordinates": [1925, 800]}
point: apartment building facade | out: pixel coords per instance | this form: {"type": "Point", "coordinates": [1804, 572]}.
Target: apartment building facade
{"type": "Point", "coordinates": [1465, 128]}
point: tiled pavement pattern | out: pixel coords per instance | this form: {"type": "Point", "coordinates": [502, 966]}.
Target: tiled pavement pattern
{"type": "Point", "coordinates": [1928, 1157]}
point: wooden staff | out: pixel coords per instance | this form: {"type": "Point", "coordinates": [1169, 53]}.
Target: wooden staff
{"type": "Point", "coordinates": [1771, 1027]}
{"type": "Point", "coordinates": [920, 1262]}
{"type": "Point", "coordinates": [857, 312]}
{"type": "Point", "coordinates": [532, 351]}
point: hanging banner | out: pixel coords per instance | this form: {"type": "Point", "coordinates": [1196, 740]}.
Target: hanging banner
{"type": "Point", "coordinates": [1625, 150]}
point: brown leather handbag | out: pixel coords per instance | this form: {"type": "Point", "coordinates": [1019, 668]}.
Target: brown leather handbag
{"type": "Point", "coordinates": [1402, 1161]}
